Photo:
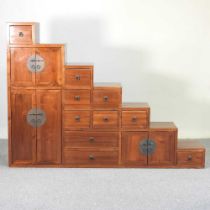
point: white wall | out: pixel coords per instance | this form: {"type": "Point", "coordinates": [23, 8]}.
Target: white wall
{"type": "Point", "coordinates": [158, 49]}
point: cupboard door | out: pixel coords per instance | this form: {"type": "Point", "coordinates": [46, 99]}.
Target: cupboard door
{"type": "Point", "coordinates": [20, 73]}
{"type": "Point", "coordinates": [50, 58]}
{"type": "Point", "coordinates": [164, 153]}
{"type": "Point", "coordinates": [49, 134]}
{"type": "Point", "coordinates": [23, 138]}
{"type": "Point", "coordinates": [131, 152]}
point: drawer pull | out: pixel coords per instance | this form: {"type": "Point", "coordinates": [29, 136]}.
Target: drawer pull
{"type": "Point", "coordinates": [134, 119]}
{"type": "Point", "coordinates": [77, 77]}
{"type": "Point", "coordinates": [106, 98]}
{"type": "Point", "coordinates": [77, 118]}
{"type": "Point", "coordinates": [91, 157]}
{"type": "Point", "coordinates": [91, 139]}
{"type": "Point", "coordinates": [189, 158]}
{"type": "Point", "coordinates": [106, 119]}
{"type": "Point", "coordinates": [21, 34]}
{"type": "Point", "coordinates": [77, 98]}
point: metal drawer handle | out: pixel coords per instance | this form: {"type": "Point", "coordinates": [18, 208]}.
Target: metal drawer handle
{"type": "Point", "coordinates": [189, 158]}
{"type": "Point", "coordinates": [106, 98]}
{"type": "Point", "coordinates": [77, 118]}
{"type": "Point", "coordinates": [77, 77]}
{"type": "Point", "coordinates": [91, 157]}
{"type": "Point", "coordinates": [134, 119]}
{"type": "Point", "coordinates": [106, 119]}
{"type": "Point", "coordinates": [91, 139]}
{"type": "Point", "coordinates": [77, 98]}
{"type": "Point", "coordinates": [21, 34]}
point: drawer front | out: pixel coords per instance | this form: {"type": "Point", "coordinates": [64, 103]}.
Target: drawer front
{"type": "Point", "coordinates": [105, 119]}
{"type": "Point", "coordinates": [78, 79]}
{"type": "Point", "coordinates": [107, 98]}
{"type": "Point", "coordinates": [90, 139]}
{"type": "Point", "coordinates": [76, 97]}
{"type": "Point", "coordinates": [135, 119]}
{"type": "Point", "coordinates": [76, 119]}
{"type": "Point", "coordinates": [191, 158]}
{"type": "Point", "coordinates": [20, 34]}
{"type": "Point", "coordinates": [90, 157]}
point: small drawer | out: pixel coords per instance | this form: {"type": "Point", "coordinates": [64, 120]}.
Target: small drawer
{"type": "Point", "coordinates": [90, 157]}
{"type": "Point", "coordinates": [78, 77]}
{"type": "Point", "coordinates": [135, 119]}
{"type": "Point", "coordinates": [107, 98]}
{"type": "Point", "coordinates": [76, 119]}
{"type": "Point", "coordinates": [191, 158]}
{"type": "Point", "coordinates": [90, 139]}
{"type": "Point", "coordinates": [105, 119]}
{"type": "Point", "coordinates": [76, 97]}
{"type": "Point", "coordinates": [21, 34]}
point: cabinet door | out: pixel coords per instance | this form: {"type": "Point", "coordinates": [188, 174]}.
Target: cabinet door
{"type": "Point", "coordinates": [23, 138]}
{"type": "Point", "coordinates": [50, 75]}
{"type": "Point", "coordinates": [164, 153]}
{"type": "Point", "coordinates": [49, 134]}
{"type": "Point", "coordinates": [131, 152]}
{"type": "Point", "coordinates": [20, 74]}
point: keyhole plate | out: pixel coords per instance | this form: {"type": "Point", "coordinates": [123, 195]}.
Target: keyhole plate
{"type": "Point", "coordinates": [35, 63]}
{"type": "Point", "coordinates": [36, 117]}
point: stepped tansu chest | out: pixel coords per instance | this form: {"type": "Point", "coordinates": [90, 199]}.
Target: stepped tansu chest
{"type": "Point", "coordinates": [58, 116]}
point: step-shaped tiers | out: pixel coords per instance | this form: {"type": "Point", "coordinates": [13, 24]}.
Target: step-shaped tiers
{"type": "Point", "coordinates": [97, 129]}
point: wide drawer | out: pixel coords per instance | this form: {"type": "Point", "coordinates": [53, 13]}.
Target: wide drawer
{"type": "Point", "coordinates": [191, 158]}
{"type": "Point", "coordinates": [90, 139]}
{"type": "Point", "coordinates": [105, 119]}
{"type": "Point", "coordinates": [78, 77]}
{"type": "Point", "coordinates": [76, 119]}
{"type": "Point", "coordinates": [107, 98]}
{"type": "Point", "coordinates": [76, 97]}
{"type": "Point", "coordinates": [90, 157]}
{"type": "Point", "coordinates": [135, 119]}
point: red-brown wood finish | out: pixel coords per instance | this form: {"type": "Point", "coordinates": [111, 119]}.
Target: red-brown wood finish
{"type": "Point", "coordinates": [23, 137]}
{"type": "Point", "coordinates": [49, 134]}
{"type": "Point", "coordinates": [86, 123]}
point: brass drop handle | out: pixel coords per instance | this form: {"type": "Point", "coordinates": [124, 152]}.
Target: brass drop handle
{"type": "Point", "coordinates": [134, 119]}
{"type": "Point", "coordinates": [77, 118]}
{"type": "Point", "coordinates": [106, 98]}
{"type": "Point", "coordinates": [189, 158]}
{"type": "Point", "coordinates": [77, 77]}
{"type": "Point", "coordinates": [91, 157]}
{"type": "Point", "coordinates": [91, 139]}
{"type": "Point", "coordinates": [77, 98]}
{"type": "Point", "coordinates": [106, 119]}
{"type": "Point", "coordinates": [21, 34]}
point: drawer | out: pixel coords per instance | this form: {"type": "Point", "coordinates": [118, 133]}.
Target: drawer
{"type": "Point", "coordinates": [135, 119]}
{"type": "Point", "coordinates": [78, 77]}
{"type": "Point", "coordinates": [76, 97]}
{"type": "Point", "coordinates": [90, 139]}
{"type": "Point", "coordinates": [90, 157]}
{"type": "Point", "coordinates": [105, 119]}
{"type": "Point", "coordinates": [192, 158]}
{"type": "Point", "coordinates": [21, 34]}
{"type": "Point", "coordinates": [107, 98]}
{"type": "Point", "coordinates": [76, 119]}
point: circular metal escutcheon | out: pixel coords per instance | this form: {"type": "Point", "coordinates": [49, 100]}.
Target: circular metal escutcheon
{"type": "Point", "coordinates": [36, 117]}
{"type": "Point", "coordinates": [35, 63]}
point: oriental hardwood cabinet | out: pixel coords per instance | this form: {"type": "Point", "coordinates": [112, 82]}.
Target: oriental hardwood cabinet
{"type": "Point", "coordinates": [58, 116]}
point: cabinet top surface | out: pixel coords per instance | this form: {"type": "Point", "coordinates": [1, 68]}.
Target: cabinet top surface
{"type": "Point", "coordinates": [134, 105]}
{"type": "Point", "coordinates": [35, 45]}
{"type": "Point", "coordinates": [189, 144]}
{"type": "Point", "coordinates": [162, 126]}
{"type": "Point", "coordinates": [78, 65]}
{"type": "Point", "coordinates": [102, 85]}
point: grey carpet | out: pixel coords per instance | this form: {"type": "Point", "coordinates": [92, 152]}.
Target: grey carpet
{"type": "Point", "coordinates": [107, 189]}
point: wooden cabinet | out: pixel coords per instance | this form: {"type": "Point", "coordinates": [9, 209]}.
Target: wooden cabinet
{"type": "Point", "coordinates": [58, 116]}
{"type": "Point", "coordinates": [36, 65]}
{"type": "Point", "coordinates": [155, 147]}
